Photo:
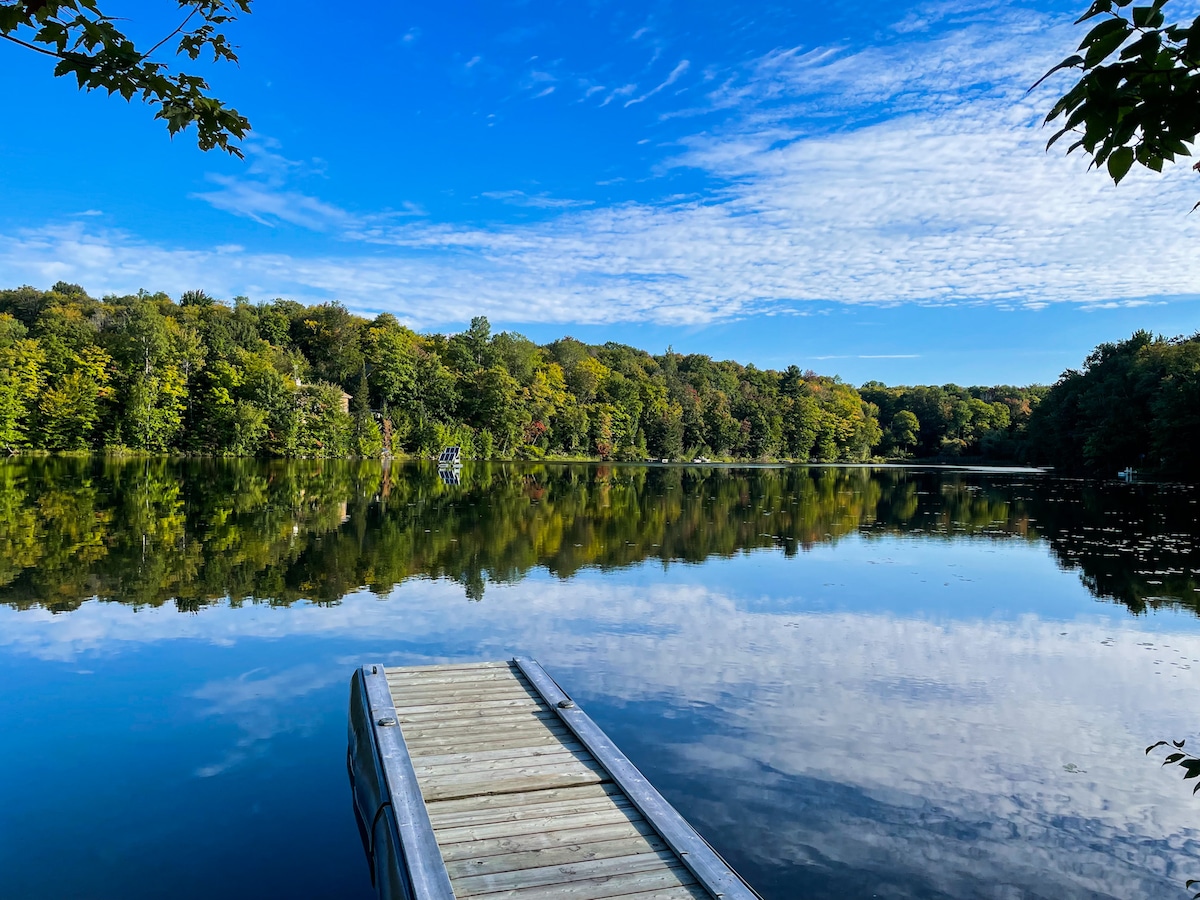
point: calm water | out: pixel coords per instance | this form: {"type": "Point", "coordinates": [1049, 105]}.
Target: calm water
{"type": "Point", "coordinates": [856, 683]}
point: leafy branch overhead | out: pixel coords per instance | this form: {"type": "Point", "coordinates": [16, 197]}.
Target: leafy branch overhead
{"type": "Point", "coordinates": [89, 45]}
{"type": "Point", "coordinates": [1191, 768]}
{"type": "Point", "coordinates": [1190, 764]}
{"type": "Point", "coordinates": [1138, 98]}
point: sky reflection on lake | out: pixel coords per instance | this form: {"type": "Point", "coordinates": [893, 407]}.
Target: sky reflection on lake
{"type": "Point", "coordinates": [882, 715]}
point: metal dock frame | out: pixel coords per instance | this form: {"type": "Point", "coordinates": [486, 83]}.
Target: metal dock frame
{"type": "Point", "coordinates": [388, 798]}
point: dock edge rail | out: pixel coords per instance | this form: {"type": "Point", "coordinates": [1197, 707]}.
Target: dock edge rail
{"type": "Point", "coordinates": [394, 800]}
{"type": "Point", "coordinates": [702, 860]}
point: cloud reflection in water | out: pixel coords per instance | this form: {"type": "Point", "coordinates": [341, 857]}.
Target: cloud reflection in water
{"type": "Point", "coordinates": [844, 752]}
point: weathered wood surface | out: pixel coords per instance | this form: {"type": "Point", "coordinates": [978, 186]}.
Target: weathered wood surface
{"type": "Point", "coordinates": [518, 802]}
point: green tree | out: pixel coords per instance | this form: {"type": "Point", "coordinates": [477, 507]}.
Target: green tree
{"type": "Point", "coordinates": [391, 361]}
{"type": "Point", "coordinates": [496, 407]}
{"type": "Point", "coordinates": [88, 44]}
{"type": "Point", "coordinates": [71, 409]}
{"type": "Point", "coordinates": [904, 430]}
{"type": "Point", "coordinates": [233, 423]}
{"type": "Point", "coordinates": [324, 428]}
{"type": "Point", "coordinates": [1132, 404]}
{"type": "Point", "coordinates": [21, 361]}
{"type": "Point", "coordinates": [155, 388]}
{"type": "Point", "coordinates": [801, 425]}
{"type": "Point", "coordinates": [472, 349]}
{"type": "Point", "coordinates": [1176, 408]}
{"type": "Point", "coordinates": [330, 338]}
{"type": "Point", "coordinates": [366, 439]}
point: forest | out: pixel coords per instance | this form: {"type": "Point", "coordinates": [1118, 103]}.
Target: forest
{"type": "Point", "coordinates": [197, 376]}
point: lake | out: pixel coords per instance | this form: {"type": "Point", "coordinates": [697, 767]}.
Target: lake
{"type": "Point", "coordinates": [855, 682]}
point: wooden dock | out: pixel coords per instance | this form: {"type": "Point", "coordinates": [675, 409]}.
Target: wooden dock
{"type": "Point", "coordinates": [486, 780]}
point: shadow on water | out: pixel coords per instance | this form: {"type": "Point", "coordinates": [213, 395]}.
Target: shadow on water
{"type": "Point", "coordinates": [145, 532]}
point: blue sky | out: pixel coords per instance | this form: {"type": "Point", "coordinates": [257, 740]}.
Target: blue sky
{"type": "Point", "coordinates": [860, 187]}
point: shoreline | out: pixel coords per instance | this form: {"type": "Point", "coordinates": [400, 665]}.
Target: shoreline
{"type": "Point", "coordinates": [884, 463]}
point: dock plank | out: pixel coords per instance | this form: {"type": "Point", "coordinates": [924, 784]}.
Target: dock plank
{"type": "Point", "coordinates": [613, 815]}
{"type": "Point", "coordinates": [683, 892]}
{"type": "Point", "coordinates": [487, 786]}
{"type": "Point", "coordinates": [493, 814]}
{"type": "Point", "coordinates": [639, 863]}
{"type": "Point", "coordinates": [560, 757]}
{"type": "Point", "coordinates": [566, 854]}
{"type": "Point", "coordinates": [538, 724]}
{"type": "Point", "coordinates": [583, 881]}
{"type": "Point", "coordinates": [514, 752]}
{"type": "Point", "coordinates": [508, 769]}
{"type": "Point", "coordinates": [640, 884]}
{"type": "Point", "coordinates": [520, 843]}
{"type": "Point", "coordinates": [451, 744]}
{"type": "Point", "coordinates": [460, 694]}
{"type": "Point", "coordinates": [449, 741]}
{"type": "Point", "coordinates": [452, 709]}
{"type": "Point", "coordinates": [533, 798]}
{"type": "Point", "coordinates": [405, 679]}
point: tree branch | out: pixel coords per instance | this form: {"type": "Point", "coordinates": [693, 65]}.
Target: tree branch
{"type": "Point", "coordinates": [182, 25]}
{"type": "Point", "coordinates": [35, 47]}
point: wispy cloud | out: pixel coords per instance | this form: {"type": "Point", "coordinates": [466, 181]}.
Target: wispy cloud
{"type": "Point", "coordinates": [265, 194]}
{"type": "Point", "coordinates": [912, 172]}
{"type": "Point", "coordinates": [1120, 304]}
{"type": "Point", "coordinates": [537, 201]}
{"type": "Point", "coordinates": [539, 83]}
{"type": "Point", "coordinates": [623, 91]}
{"type": "Point", "coordinates": [267, 204]}
{"type": "Point", "coordinates": [870, 356]}
{"type": "Point", "coordinates": [675, 75]}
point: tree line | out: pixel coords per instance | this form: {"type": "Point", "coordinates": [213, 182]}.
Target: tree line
{"type": "Point", "coordinates": [279, 379]}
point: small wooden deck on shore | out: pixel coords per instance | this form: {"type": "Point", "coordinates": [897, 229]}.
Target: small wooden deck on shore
{"type": "Point", "coordinates": [488, 781]}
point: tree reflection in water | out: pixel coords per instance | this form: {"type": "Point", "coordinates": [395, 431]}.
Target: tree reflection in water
{"type": "Point", "coordinates": [145, 532]}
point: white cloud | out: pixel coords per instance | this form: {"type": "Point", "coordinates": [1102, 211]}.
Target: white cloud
{"type": "Point", "coordinates": [872, 356]}
{"type": "Point", "coordinates": [913, 172]}
{"type": "Point", "coordinates": [541, 83]}
{"type": "Point", "coordinates": [263, 194]}
{"type": "Point", "coordinates": [268, 204]}
{"type": "Point", "coordinates": [675, 75]}
{"type": "Point", "coordinates": [624, 91]}
{"type": "Point", "coordinates": [537, 201]}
